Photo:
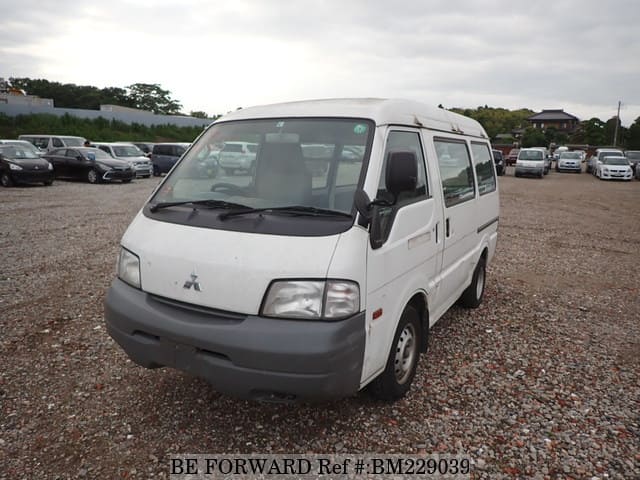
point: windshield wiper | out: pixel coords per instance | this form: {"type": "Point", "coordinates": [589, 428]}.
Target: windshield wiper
{"type": "Point", "coordinates": [207, 203]}
{"type": "Point", "coordinates": [292, 210]}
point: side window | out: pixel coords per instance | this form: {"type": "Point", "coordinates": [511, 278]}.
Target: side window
{"type": "Point", "coordinates": [455, 171]}
{"type": "Point", "coordinates": [40, 142]}
{"type": "Point", "coordinates": [56, 142]}
{"type": "Point", "coordinates": [398, 140]}
{"type": "Point", "coordinates": [404, 141]}
{"type": "Point", "coordinates": [70, 153]}
{"type": "Point", "coordinates": [178, 150]}
{"type": "Point", "coordinates": [104, 148]}
{"type": "Point", "coordinates": [485, 172]}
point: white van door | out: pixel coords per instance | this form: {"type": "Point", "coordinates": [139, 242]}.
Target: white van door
{"type": "Point", "coordinates": [458, 190]}
{"type": "Point", "coordinates": [406, 262]}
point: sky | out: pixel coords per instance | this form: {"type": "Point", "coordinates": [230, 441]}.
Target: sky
{"type": "Point", "coordinates": [217, 55]}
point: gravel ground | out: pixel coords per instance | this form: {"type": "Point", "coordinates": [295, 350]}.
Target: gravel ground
{"type": "Point", "coordinates": [542, 381]}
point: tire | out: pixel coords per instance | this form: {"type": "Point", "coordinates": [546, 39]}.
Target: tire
{"type": "Point", "coordinates": [395, 381]}
{"type": "Point", "coordinates": [48, 183]}
{"type": "Point", "coordinates": [156, 171]}
{"type": "Point", "coordinates": [128, 180]}
{"type": "Point", "coordinates": [92, 176]}
{"type": "Point", "coordinates": [472, 296]}
{"type": "Point", "coordinates": [6, 180]}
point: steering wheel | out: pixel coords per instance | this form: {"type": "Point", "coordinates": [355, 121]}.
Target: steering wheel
{"type": "Point", "coordinates": [230, 187]}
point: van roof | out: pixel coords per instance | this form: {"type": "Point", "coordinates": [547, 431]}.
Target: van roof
{"type": "Point", "coordinates": [381, 111]}
{"type": "Point", "coordinates": [48, 135]}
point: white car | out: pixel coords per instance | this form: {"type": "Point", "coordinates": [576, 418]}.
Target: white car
{"type": "Point", "coordinates": [237, 156]}
{"type": "Point", "coordinates": [276, 287]}
{"type": "Point", "coordinates": [596, 158]}
{"type": "Point", "coordinates": [569, 161]}
{"type": "Point", "coordinates": [129, 153]}
{"type": "Point", "coordinates": [531, 161]}
{"type": "Point", "coordinates": [611, 168]}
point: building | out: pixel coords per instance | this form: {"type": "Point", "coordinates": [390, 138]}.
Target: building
{"type": "Point", "coordinates": [558, 119]}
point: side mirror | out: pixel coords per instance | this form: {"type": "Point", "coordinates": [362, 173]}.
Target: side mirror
{"type": "Point", "coordinates": [363, 205]}
{"type": "Point", "coordinates": [402, 172]}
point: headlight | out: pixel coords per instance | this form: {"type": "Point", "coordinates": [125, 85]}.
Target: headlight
{"type": "Point", "coordinates": [104, 167]}
{"type": "Point", "coordinates": [605, 170]}
{"type": "Point", "coordinates": [129, 268]}
{"type": "Point", "coordinates": [50, 166]}
{"type": "Point", "coordinates": [13, 166]}
{"type": "Point", "coordinates": [312, 299]}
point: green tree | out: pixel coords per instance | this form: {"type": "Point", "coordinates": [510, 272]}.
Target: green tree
{"type": "Point", "coordinates": [533, 137]}
{"type": "Point", "coordinates": [590, 132]}
{"type": "Point", "coordinates": [151, 97]}
{"type": "Point", "coordinates": [633, 135]}
{"type": "Point", "coordinates": [199, 114]}
{"type": "Point", "coordinates": [497, 120]}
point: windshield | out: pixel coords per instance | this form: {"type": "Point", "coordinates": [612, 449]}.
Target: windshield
{"type": "Point", "coordinates": [615, 161]}
{"type": "Point", "coordinates": [97, 153]}
{"type": "Point", "coordinates": [297, 162]}
{"type": "Point", "coordinates": [73, 141]}
{"type": "Point", "coordinates": [24, 145]}
{"type": "Point", "coordinates": [17, 152]}
{"type": "Point", "coordinates": [530, 155]}
{"type": "Point", "coordinates": [633, 155]}
{"type": "Point", "coordinates": [610, 153]}
{"type": "Point", "coordinates": [127, 151]}
{"type": "Point", "coordinates": [571, 155]}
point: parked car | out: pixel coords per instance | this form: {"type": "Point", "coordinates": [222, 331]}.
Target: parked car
{"type": "Point", "coordinates": [22, 165]}
{"type": "Point", "coordinates": [498, 159]}
{"type": "Point", "coordinates": [558, 151]}
{"type": "Point", "coordinates": [46, 143]}
{"type": "Point", "coordinates": [333, 305]}
{"type": "Point", "coordinates": [611, 168]}
{"type": "Point", "coordinates": [24, 144]}
{"type": "Point", "coordinates": [512, 156]}
{"type": "Point", "coordinates": [238, 156]}
{"type": "Point", "coordinates": [90, 164]}
{"type": "Point", "coordinates": [146, 147]}
{"type": "Point", "coordinates": [634, 159]}
{"type": "Point", "coordinates": [531, 161]}
{"type": "Point", "coordinates": [600, 153]}
{"type": "Point", "coordinates": [129, 153]}
{"type": "Point", "coordinates": [569, 161]}
{"type": "Point", "coordinates": [165, 155]}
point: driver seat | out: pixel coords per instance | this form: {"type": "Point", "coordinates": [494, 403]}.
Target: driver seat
{"type": "Point", "coordinates": [282, 175]}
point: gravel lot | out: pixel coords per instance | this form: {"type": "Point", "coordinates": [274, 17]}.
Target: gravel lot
{"type": "Point", "coordinates": [542, 381]}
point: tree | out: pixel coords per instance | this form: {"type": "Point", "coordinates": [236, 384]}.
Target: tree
{"type": "Point", "coordinates": [590, 132]}
{"type": "Point", "coordinates": [199, 114]}
{"type": "Point", "coordinates": [532, 137]}
{"type": "Point", "coordinates": [633, 135]}
{"type": "Point", "coordinates": [149, 96]}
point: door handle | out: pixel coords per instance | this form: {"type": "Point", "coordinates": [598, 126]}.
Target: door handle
{"type": "Point", "coordinates": [447, 228]}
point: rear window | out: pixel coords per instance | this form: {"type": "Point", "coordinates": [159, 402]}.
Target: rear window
{"type": "Point", "coordinates": [530, 155]}
{"type": "Point", "coordinates": [232, 147]}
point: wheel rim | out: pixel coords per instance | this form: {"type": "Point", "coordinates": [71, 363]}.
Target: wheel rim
{"type": "Point", "coordinates": [480, 283]}
{"type": "Point", "coordinates": [406, 352]}
{"type": "Point", "coordinates": [92, 176]}
{"type": "Point", "coordinates": [4, 179]}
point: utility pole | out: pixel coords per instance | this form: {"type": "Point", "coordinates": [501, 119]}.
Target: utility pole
{"type": "Point", "coordinates": [615, 132]}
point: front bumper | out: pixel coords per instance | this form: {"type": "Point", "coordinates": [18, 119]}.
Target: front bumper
{"type": "Point", "coordinates": [114, 174]}
{"type": "Point", "coordinates": [530, 170]}
{"type": "Point", "coordinates": [574, 167]}
{"type": "Point", "coordinates": [143, 170]}
{"type": "Point", "coordinates": [615, 176]}
{"type": "Point", "coordinates": [31, 176]}
{"type": "Point", "coordinates": [242, 355]}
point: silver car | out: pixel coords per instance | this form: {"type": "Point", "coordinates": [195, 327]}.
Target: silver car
{"type": "Point", "coordinates": [130, 153]}
{"type": "Point", "coordinates": [569, 161]}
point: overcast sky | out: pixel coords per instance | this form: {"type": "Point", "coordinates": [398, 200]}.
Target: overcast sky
{"type": "Point", "coordinates": [217, 55]}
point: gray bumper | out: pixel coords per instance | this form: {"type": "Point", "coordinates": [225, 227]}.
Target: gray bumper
{"type": "Point", "coordinates": [245, 356]}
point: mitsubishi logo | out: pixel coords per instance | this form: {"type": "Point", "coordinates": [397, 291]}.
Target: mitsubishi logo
{"type": "Point", "coordinates": [192, 283]}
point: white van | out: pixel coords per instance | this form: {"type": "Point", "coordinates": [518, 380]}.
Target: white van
{"type": "Point", "coordinates": [46, 143]}
{"type": "Point", "coordinates": [283, 285]}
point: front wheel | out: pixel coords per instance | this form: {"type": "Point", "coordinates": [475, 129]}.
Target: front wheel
{"type": "Point", "coordinates": [92, 176]}
{"type": "Point", "coordinates": [472, 296]}
{"type": "Point", "coordinates": [394, 382]}
{"type": "Point", "coordinates": [6, 180]}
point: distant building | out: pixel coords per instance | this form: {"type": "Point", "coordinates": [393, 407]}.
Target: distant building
{"type": "Point", "coordinates": [558, 119]}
